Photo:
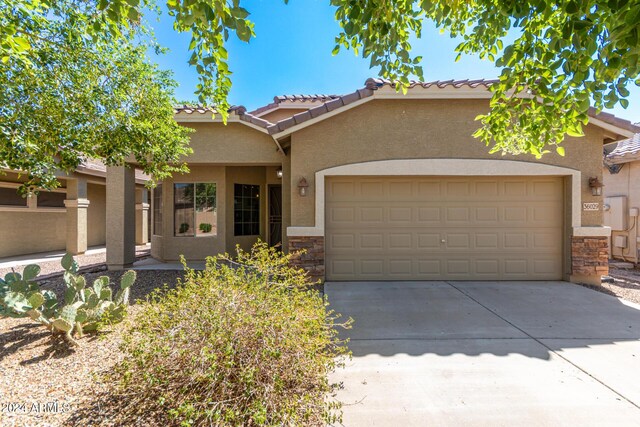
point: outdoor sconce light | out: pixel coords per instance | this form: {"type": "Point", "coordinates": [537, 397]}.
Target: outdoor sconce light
{"type": "Point", "coordinates": [595, 186]}
{"type": "Point", "coordinates": [279, 173]}
{"type": "Point", "coordinates": [302, 187]}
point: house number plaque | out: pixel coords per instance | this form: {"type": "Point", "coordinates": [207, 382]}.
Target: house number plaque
{"type": "Point", "coordinates": [591, 206]}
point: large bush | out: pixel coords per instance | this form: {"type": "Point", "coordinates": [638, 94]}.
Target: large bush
{"type": "Point", "coordinates": [246, 343]}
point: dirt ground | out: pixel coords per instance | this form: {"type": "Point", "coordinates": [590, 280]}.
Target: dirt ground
{"type": "Point", "coordinates": [44, 382]}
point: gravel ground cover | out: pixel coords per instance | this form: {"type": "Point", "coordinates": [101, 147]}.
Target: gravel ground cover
{"type": "Point", "coordinates": [626, 284]}
{"type": "Point", "coordinates": [45, 383]}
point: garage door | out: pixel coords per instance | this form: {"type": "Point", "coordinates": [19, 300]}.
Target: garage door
{"type": "Point", "coordinates": [430, 228]}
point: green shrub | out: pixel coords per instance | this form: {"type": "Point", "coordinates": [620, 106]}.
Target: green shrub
{"type": "Point", "coordinates": [206, 227]}
{"type": "Point", "coordinates": [83, 308]}
{"type": "Point", "coordinates": [184, 227]}
{"type": "Point", "coordinates": [244, 344]}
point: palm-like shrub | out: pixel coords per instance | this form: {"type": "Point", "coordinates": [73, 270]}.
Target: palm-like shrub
{"type": "Point", "coordinates": [244, 343]}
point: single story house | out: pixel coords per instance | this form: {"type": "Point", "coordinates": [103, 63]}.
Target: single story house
{"type": "Point", "coordinates": [377, 185]}
{"type": "Point", "coordinates": [622, 197]}
{"type": "Point", "coordinates": [71, 217]}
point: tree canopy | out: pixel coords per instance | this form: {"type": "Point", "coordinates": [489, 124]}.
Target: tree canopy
{"type": "Point", "coordinates": [67, 97]}
{"type": "Point", "coordinates": [557, 60]}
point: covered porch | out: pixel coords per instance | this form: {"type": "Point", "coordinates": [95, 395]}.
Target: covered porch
{"type": "Point", "coordinates": [208, 211]}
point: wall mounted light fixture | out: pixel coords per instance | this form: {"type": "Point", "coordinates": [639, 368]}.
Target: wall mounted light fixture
{"type": "Point", "coordinates": [596, 186]}
{"type": "Point", "coordinates": [302, 187]}
{"type": "Point", "coordinates": [279, 172]}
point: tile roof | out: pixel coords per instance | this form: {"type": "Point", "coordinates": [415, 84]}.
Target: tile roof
{"type": "Point", "coordinates": [97, 167]}
{"type": "Point", "coordinates": [190, 109]}
{"type": "Point", "coordinates": [277, 100]}
{"type": "Point", "coordinates": [370, 85]}
{"type": "Point", "coordinates": [330, 103]}
{"type": "Point", "coordinates": [613, 120]}
{"type": "Point", "coordinates": [437, 83]}
{"type": "Point", "coordinates": [626, 150]}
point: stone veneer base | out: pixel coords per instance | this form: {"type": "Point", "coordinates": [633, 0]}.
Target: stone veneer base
{"type": "Point", "coordinates": [589, 256]}
{"type": "Point", "coordinates": [312, 261]}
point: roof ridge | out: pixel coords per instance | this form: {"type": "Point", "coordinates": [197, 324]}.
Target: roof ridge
{"type": "Point", "coordinates": [332, 102]}
{"type": "Point", "coordinates": [278, 99]}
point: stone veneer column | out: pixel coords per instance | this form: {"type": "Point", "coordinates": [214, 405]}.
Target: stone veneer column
{"type": "Point", "coordinates": [312, 261]}
{"type": "Point", "coordinates": [77, 206]}
{"type": "Point", "coordinates": [121, 217]}
{"type": "Point", "coordinates": [142, 216]}
{"type": "Point", "coordinates": [589, 259]}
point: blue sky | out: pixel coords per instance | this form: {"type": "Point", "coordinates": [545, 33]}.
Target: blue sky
{"type": "Point", "coordinates": [291, 54]}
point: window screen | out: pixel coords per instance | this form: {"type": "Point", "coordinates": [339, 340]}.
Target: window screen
{"type": "Point", "coordinates": [246, 209]}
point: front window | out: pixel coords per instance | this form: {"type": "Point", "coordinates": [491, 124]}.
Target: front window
{"type": "Point", "coordinates": [157, 210]}
{"type": "Point", "coordinates": [195, 212]}
{"type": "Point", "coordinates": [246, 210]}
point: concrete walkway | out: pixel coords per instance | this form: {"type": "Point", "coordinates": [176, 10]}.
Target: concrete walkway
{"type": "Point", "coordinates": [488, 353]}
{"type": "Point", "coordinates": [49, 262]}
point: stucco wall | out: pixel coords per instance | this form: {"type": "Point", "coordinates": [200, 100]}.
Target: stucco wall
{"type": "Point", "coordinates": [403, 129]}
{"type": "Point", "coordinates": [170, 247]}
{"type": "Point", "coordinates": [233, 143]}
{"type": "Point", "coordinates": [30, 232]}
{"type": "Point", "coordinates": [625, 183]}
{"type": "Point", "coordinates": [96, 215]}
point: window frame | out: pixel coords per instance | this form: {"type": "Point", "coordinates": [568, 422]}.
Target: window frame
{"type": "Point", "coordinates": [157, 208]}
{"type": "Point", "coordinates": [195, 226]}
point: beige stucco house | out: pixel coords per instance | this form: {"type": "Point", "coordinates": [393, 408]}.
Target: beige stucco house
{"type": "Point", "coordinates": [71, 217]}
{"type": "Point", "coordinates": [622, 197]}
{"type": "Point", "coordinates": [377, 185]}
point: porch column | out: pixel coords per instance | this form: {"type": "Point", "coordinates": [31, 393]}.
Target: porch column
{"type": "Point", "coordinates": [121, 217]}
{"type": "Point", "coordinates": [142, 216]}
{"type": "Point", "coordinates": [77, 206]}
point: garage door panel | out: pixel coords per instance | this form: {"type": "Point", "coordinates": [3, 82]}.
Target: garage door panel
{"type": "Point", "coordinates": [459, 228]}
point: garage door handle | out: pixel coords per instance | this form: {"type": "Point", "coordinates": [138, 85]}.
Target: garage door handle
{"type": "Point", "coordinates": [444, 241]}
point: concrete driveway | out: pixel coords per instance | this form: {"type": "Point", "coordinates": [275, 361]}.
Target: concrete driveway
{"type": "Point", "coordinates": [488, 353]}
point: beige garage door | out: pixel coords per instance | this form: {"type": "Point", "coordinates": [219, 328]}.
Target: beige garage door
{"type": "Point", "coordinates": [429, 228]}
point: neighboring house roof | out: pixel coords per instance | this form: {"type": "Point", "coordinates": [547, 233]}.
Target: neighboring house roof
{"type": "Point", "coordinates": [97, 168]}
{"type": "Point", "coordinates": [627, 150]}
{"type": "Point", "coordinates": [378, 88]}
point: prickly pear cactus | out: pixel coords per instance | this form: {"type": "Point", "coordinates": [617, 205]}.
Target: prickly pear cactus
{"type": "Point", "coordinates": [83, 308]}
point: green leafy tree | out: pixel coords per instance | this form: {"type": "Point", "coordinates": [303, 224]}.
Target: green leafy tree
{"type": "Point", "coordinates": [565, 57]}
{"type": "Point", "coordinates": [70, 97]}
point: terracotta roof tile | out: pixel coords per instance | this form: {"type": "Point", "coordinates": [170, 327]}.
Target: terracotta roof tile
{"type": "Point", "coordinates": [332, 102]}
{"type": "Point", "coordinates": [374, 83]}
{"type": "Point", "coordinates": [277, 100]}
{"type": "Point", "coordinates": [613, 120]}
{"type": "Point", "coordinates": [190, 109]}
{"type": "Point", "coordinates": [302, 117]}
{"type": "Point", "coordinates": [626, 150]}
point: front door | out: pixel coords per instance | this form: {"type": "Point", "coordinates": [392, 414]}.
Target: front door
{"type": "Point", "coordinates": [275, 215]}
